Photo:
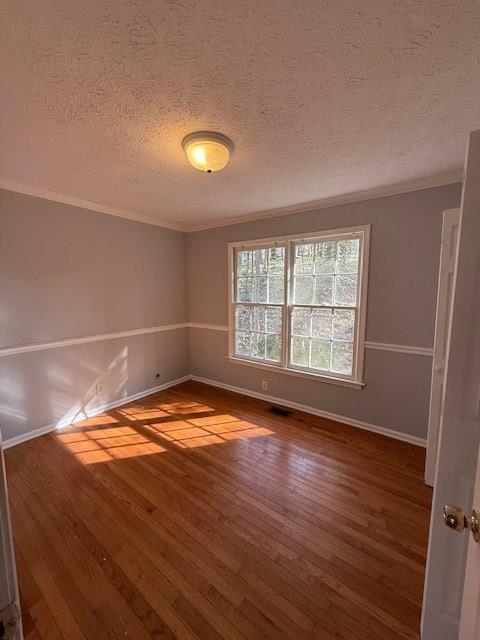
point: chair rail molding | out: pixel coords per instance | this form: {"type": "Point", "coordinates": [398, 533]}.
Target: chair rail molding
{"type": "Point", "coordinates": [380, 346]}
{"type": "Point", "coordinates": [204, 326]}
{"type": "Point", "coordinates": [98, 337]}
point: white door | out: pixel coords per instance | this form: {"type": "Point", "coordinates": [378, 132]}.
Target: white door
{"type": "Point", "coordinates": [470, 618]}
{"type": "Point", "coordinates": [448, 255]}
{"type": "Point", "coordinates": [460, 425]}
{"type": "Point", "coordinates": [10, 623]}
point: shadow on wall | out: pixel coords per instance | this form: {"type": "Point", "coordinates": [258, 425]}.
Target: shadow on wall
{"type": "Point", "coordinates": [107, 387]}
{"type": "Point", "coordinates": [58, 390]}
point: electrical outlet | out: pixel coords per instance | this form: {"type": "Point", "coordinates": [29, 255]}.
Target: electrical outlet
{"type": "Point", "coordinates": [99, 388]}
{"type": "Point", "coordinates": [264, 385]}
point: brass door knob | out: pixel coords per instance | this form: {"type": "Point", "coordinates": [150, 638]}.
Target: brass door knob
{"type": "Point", "coordinates": [455, 518]}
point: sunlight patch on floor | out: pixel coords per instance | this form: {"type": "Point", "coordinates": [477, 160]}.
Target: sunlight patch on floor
{"type": "Point", "coordinates": [224, 437]}
{"type": "Point", "coordinates": [96, 421]}
{"type": "Point", "coordinates": [103, 445]}
{"type": "Point", "coordinates": [213, 420]}
{"type": "Point", "coordinates": [137, 433]}
{"type": "Point", "coordinates": [149, 414]}
{"type": "Point", "coordinates": [185, 407]}
{"type": "Point", "coordinates": [192, 435]}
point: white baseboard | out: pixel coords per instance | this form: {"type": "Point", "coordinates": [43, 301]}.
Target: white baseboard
{"type": "Point", "coordinates": [366, 426]}
{"type": "Point", "coordinates": [90, 413]}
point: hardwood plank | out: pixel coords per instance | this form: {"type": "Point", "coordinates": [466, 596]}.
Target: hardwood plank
{"type": "Point", "coordinates": [193, 514]}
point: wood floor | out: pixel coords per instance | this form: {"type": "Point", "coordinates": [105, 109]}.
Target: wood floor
{"type": "Point", "coordinates": [194, 513]}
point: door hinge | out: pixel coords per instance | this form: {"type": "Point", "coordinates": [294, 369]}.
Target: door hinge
{"type": "Point", "coordinates": [9, 619]}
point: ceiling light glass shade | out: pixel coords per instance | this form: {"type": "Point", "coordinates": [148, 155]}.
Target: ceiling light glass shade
{"type": "Point", "coordinates": [207, 151]}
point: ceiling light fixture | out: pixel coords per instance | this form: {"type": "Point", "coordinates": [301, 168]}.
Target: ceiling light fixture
{"type": "Point", "coordinates": [207, 150]}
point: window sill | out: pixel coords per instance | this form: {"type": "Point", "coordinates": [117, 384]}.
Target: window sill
{"type": "Point", "coordinates": [352, 384]}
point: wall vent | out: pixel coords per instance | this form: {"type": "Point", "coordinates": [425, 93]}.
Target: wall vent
{"type": "Point", "coordinates": [280, 411]}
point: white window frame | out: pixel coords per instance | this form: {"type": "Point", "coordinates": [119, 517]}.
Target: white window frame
{"type": "Point", "coordinates": [356, 379]}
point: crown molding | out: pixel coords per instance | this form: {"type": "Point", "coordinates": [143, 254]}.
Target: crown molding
{"type": "Point", "coordinates": [437, 180]}
{"type": "Point", "coordinates": [45, 194]}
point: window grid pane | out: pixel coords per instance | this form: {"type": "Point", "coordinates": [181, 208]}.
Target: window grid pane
{"type": "Point", "coordinates": [322, 339]}
{"type": "Point", "coordinates": [325, 273]}
{"type": "Point", "coordinates": [260, 275]}
{"type": "Point", "coordinates": [258, 332]}
{"type": "Point", "coordinates": [320, 331]}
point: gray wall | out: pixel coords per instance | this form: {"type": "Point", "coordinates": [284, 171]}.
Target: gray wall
{"type": "Point", "coordinates": [404, 260]}
{"type": "Point", "coordinates": [67, 272]}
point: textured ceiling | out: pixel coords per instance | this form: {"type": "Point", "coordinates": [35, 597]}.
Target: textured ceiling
{"type": "Point", "coordinates": [321, 98]}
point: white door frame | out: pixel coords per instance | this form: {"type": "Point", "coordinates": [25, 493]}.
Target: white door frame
{"type": "Point", "coordinates": [446, 277]}
{"type": "Point", "coordinates": [470, 617]}
{"type": "Point", "coordinates": [459, 437]}
{"type": "Point", "coordinates": [9, 598]}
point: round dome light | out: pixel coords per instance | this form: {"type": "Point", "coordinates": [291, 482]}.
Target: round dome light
{"type": "Point", "coordinates": [207, 151]}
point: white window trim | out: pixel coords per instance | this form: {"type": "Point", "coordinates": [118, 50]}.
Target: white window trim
{"type": "Point", "coordinates": [354, 381]}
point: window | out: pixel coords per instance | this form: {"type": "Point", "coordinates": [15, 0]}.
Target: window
{"type": "Point", "coordinates": [297, 304]}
